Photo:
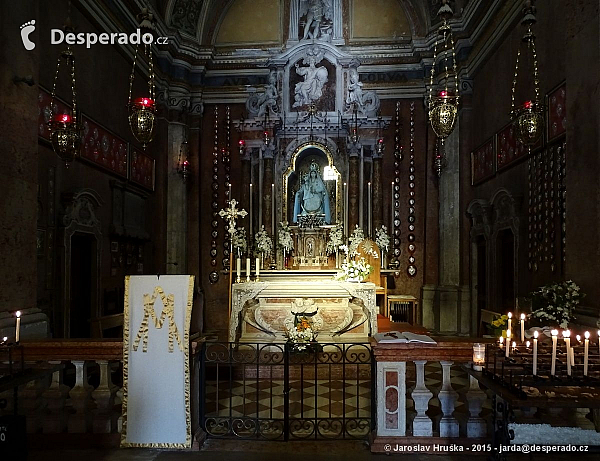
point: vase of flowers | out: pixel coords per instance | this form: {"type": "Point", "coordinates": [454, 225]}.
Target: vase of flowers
{"type": "Point", "coordinates": [355, 240]}
{"type": "Point", "coordinates": [239, 241]}
{"type": "Point", "coordinates": [382, 239]}
{"type": "Point", "coordinates": [263, 244]}
{"type": "Point", "coordinates": [302, 338]}
{"type": "Point", "coordinates": [354, 270]}
{"type": "Point", "coordinates": [336, 238]}
{"type": "Point", "coordinates": [554, 304]}
{"type": "Point", "coordinates": [285, 241]}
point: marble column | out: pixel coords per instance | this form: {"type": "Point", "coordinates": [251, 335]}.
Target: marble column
{"type": "Point", "coordinates": [176, 202]}
{"type": "Point", "coordinates": [242, 190]}
{"type": "Point", "coordinates": [266, 189]}
{"type": "Point", "coordinates": [353, 189]}
{"type": "Point", "coordinates": [377, 192]}
{"type": "Point", "coordinates": [391, 399]}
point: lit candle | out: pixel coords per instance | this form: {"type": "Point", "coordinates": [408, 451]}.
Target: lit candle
{"type": "Point", "coordinates": [507, 349]}
{"type": "Point", "coordinates": [257, 268]}
{"type": "Point", "coordinates": [567, 337]}
{"type": "Point", "coordinates": [501, 342]}
{"type": "Point", "coordinates": [535, 340]}
{"type": "Point", "coordinates": [5, 339]}
{"type": "Point", "coordinates": [586, 346]}
{"type": "Point", "coordinates": [238, 269]}
{"type": "Point", "coordinates": [229, 197]}
{"type": "Point", "coordinates": [248, 269]}
{"type": "Point", "coordinates": [527, 344]}
{"type": "Point", "coordinates": [250, 222]}
{"type": "Point", "coordinates": [554, 340]}
{"type": "Point", "coordinates": [273, 210]}
{"type": "Point", "coordinates": [369, 210]}
{"type": "Point", "coordinates": [18, 329]}
{"type": "Point", "coordinates": [510, 320]}
{"type": "Point", "coordinates": [514, 345]}
{"type": "Point", "coordinates": [522, 327]}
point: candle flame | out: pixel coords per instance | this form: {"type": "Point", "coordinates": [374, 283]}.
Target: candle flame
{"type": "Point", "coordinates": [508, 333]}
{"type": "Point", "coordinates": [578, 338]}
{"type": "Point", "coordinates": [501, 339]}
{"type": "Point", "coordinates": [510, 315]}
{"type": "Point", "coordinates": [566, 334]}
{"type": "Point", "coordinates": [587, 335]}
{"type": "Point", "coordinates": [5, 339]}
{"type": "Point", "coordinates": [536, 334]}
{"type": "Point", "coordinates": [522, 316]}
{"type": "Point", "coordinates": [18, 313]}
{"type": "Point", "coordinates": [514, 344]}
{"type": "Point", "coordinates": [527, 343]}
{"type": "Point", "coordinates": [554, 332]}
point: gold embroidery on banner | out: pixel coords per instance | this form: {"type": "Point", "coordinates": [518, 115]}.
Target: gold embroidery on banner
{"type": "Point", "coordinates": [167, 312]}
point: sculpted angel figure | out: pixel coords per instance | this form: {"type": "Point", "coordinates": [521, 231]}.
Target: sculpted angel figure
{"type": "Point", "coordinates": [311, 89]}
{"type": "Point", "coordinates": [355, 92]}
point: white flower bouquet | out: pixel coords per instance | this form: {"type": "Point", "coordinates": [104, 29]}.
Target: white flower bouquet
{"type": "Point", "coordinates": [554, 304]}
{"type": "Point", "coordinates": [263, 244]}
{"type": "Point", "coordinates": [382, 239]}
{"type": "Point", "coordinates": [354, 270]}
{"type": "Point", "coordinates": [356, 239]}
{"type": "Point", "coordinates": [285, 240]}
{"type": "Point", "coordinates": [240, 241]}
{"type": "Point", "coordinates": [336, 238]}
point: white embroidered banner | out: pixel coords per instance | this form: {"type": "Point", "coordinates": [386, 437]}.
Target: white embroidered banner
{"type": "Point", "coordinates": [156, 361]}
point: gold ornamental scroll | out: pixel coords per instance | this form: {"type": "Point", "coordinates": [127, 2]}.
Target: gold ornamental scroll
{"type": "Point", "coordinates": [156, 377]}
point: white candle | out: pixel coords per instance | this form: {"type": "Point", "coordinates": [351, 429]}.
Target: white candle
{"type": "Point", "coordinates": [273, 210]}
{"type": "Point", "coordinates": [229, 198]}
{"type": "Point", "coordinates": [567, 337]}
{"type": "Point", "coordinates": [346, 232]}
{"type": "Point", "coordinates": [369, 210]}
{"type": "Point", "coordinates": [527, 344]}
{"type": "Point", "coordinates": [250, 222]}
{"type": "Point", "coordinates": [522, 327]}
{"type": "Point", "coordinates": [554, 340]}
{"type": "Point", "coordinates": [18, 328]}
{"type": "Point", "coordinates": [510, 320]}
{"type": "Point", "coordinates": [238, 269]}
{"type": "Point", "coordinates": [535, 340]}
{"type": "Point", "coordinates": [257, 267]}
{"type": "Point", "coordinates": [248, 269]}
{"type": "Point", "coordinates": [507, 350]}
{"type": "Point", "coordinates": [586, 346]}
{"type": "Point", "coordinates": [501, 342]}
{"type": "Point", "coordinates": [572, 355]}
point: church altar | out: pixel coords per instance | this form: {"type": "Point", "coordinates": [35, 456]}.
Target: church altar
{"type": "Point", "coordinates": [340, 311]}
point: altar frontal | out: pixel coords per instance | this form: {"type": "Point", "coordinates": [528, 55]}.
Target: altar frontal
{"type": "Point", "coordinates": [156, 362]}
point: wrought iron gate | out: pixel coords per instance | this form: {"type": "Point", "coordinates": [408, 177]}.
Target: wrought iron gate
{"type": "Point", "coordinates": [271, 391]}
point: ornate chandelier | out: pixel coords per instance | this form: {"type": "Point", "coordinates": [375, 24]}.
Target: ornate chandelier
{"type": "Point", "coordinates": [64, 130]}
{"type": "Point", "coordinates": [527, 119]}
{"type": "Point", "coordinates": [442, 100]}
{"type": "Point", "coordinates": [142, 111]}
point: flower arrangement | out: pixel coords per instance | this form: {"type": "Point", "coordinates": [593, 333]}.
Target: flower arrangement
{"type": "Point", "coordinates": [336, 239]}
{"type": "Point", "coordinates": [301, 334]}
{"type": "Point", "coordinates": [498, 325]}
{"type": "Point", "coordinates": [554, 304]}
{"type": "Point", "coordinates": [353, 270]}
{"type": "Point", "coordinates": [356, 238]}
{"type": "Point", "coordinates": [285, 241]}
{"type": "Point", "coordinates": [240, 241]}
{"type": "Point", "coordinates": [382, 239]}
{"type": "Point", "coordinates": [263, 244]}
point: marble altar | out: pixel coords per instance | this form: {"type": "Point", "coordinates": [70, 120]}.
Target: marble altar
{"type": "Point", "coordinates": [343, 311]}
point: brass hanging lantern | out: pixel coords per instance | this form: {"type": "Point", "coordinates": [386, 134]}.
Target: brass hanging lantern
{"type": "Point", "coordinates": [443, 98]}
{"type": "Point", "coordinates": [142, 111]}
{"type": "Point", "coordinates": [65, 133]}
{"type": "Point", "coordinates": [528, 120]}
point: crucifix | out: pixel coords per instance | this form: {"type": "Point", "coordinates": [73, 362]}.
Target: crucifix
{"type": "Point", "coordinates": [230, 214]}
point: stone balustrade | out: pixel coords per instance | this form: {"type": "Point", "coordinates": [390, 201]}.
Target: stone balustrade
{"type": "Point", "coordinates": [415, 405]}
{"type": "Point", "coordinates": [85, 395]}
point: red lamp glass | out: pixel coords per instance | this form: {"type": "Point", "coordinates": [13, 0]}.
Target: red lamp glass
{"type": "Point", "coordinates": [528, 105]}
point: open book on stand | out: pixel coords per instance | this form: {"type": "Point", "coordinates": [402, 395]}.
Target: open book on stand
{"type": "Point", "coordinates": [404, 337]}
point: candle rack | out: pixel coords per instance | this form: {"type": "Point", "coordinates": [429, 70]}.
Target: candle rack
{"type": "Point", "coordinates": [515, 372]}
{"type": "Point", "coordinates": [12, 360]}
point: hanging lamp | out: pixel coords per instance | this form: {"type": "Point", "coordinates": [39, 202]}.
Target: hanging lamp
{"type": "Point", "coordinates": [142, 110]}
{"type": "Point", "coordinates": [65, 134]}
{"type": "Point", "coordinates": [528, 120]}
{"type": "Point", "coordinates": [443, 98]}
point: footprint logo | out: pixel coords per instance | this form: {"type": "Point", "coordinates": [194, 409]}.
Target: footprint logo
{"type": "Point", "coordinates": [27, 29]}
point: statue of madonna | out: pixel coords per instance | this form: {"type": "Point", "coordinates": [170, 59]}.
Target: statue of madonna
{"type": "Point", "coordinates": [312, 198]}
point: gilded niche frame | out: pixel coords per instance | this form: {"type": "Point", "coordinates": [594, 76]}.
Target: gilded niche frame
{"type": "Point", "coordinates": [294, 168]}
